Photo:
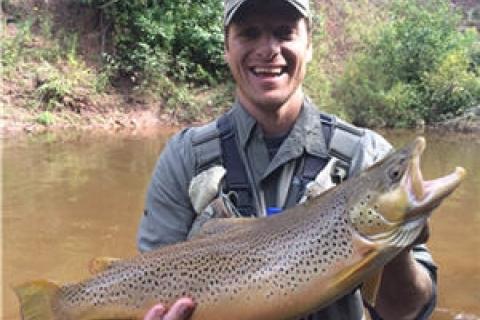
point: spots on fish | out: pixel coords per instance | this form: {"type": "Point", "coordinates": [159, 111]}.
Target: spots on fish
{"type": "Point", "coordinates": [276, 262]}
{"type": "Point", "coordinates": [258, 262]}
{"type": "Point", "coordinates": [365, 217]}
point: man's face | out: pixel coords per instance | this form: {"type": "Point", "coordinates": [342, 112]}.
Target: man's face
{"type": "Point", "coordinates": [267, 52]}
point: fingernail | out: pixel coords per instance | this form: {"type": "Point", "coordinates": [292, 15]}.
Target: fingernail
{"type": "Point", "coordinates": [159, 311]}
{"type": "Point", "coordinates": [186, 311]}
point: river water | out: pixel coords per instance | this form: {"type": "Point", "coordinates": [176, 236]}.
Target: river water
{"type": "Point", "coordinates": [70, 197]}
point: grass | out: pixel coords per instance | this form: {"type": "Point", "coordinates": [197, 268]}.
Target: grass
{"type": "Point", "coordinates": [47, 74]}
{"type": "Point", "coordinates": [43, 72]}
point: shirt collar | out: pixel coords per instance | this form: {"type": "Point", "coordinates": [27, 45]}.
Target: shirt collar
{"type": "Point", "coordinates": [310, 127]}
{"type": "Point", "coordinates": [305, 136]}
{"type": "Point", "coordinates": [244, 122]}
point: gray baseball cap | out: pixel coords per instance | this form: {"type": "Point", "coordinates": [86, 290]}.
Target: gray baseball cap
{"type": "Point", "coordinates": [231, 7]}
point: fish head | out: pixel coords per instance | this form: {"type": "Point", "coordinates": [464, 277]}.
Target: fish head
{"type": "Point", "coordinates": [391, 198]}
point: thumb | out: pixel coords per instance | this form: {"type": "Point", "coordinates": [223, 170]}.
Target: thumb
{"type": "Point", "coordinates": [182, 309]}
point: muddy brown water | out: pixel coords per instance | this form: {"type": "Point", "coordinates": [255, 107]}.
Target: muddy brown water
{"type": "Point", "coordinates": [70, 197]}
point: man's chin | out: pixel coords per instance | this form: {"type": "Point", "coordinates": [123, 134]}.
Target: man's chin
{"type": "Point", "coordinates": [272, 103]}
{"type": "Point", "coordinates": [269, 105]}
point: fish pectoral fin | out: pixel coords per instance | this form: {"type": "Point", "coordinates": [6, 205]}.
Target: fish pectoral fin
{"type": "Point", "coordinates": [37, 300]}
{"type": "Point", "coordinates": [221, 225]}
{"type": "Point", "coordinates": [99, 264]}
{"type": "Point", "coordinates": [370, 287]}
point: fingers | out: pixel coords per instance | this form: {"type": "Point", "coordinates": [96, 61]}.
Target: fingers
{"type": "Point", "coordinates": [182, 309]}
{"type": "Point", "coordinates": [421, 239]}
{"type": "Point", "coordinates": [155, 313]}
{"type": "Point", "coordinates": [424, 235]}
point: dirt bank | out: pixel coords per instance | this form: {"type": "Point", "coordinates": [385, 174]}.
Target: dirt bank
{"type": "Point", "coordinates": [28, 107]}
{"type": "Point", "coordinates": [468, 123]}
{"type": "Point", "coordinates": [47, 83]}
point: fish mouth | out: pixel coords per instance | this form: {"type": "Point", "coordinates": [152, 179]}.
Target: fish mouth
{"type": "Point", "coordinates": [426, 195]}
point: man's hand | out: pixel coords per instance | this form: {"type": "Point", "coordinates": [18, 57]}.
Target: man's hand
{"type": "Point", "coordinates": [423, 236]}
{"type": "Point", "coordinates": [182, 309]}
{"type": "Point", "coordinates": [406, 285]}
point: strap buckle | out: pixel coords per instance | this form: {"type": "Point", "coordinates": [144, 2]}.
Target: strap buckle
{"type": "Point", "coordinates": [339, 171]}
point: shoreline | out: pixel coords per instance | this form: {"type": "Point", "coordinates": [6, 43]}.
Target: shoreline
{"type": "Point", "coordinates": [22, 123]}
{"type": "Point", "coordinates": [16, 122]}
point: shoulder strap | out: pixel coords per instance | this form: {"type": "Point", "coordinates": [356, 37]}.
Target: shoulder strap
{"type": "Point", "coordinates": [342, 141]}
{"type": "Point", "coordinates": [206, 147]}
{"type": "Point", "coordinates": [236, 178]}
{"type": "Point", "coordinates": [216, 143]}
{"type": "Point", "coordinates": [314, 164]}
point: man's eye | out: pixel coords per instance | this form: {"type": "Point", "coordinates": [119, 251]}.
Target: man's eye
{"type": "Point", "coordinates": [285, 32]}
{"type": "Point", "coordinates": [250, 33]}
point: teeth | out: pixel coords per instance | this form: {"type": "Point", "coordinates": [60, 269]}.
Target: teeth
{"type": "Point", "coordinates": [264, 70]}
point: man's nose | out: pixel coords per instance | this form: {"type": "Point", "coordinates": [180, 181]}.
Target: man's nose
{"type": "Point", "coordinates": [268, 48]}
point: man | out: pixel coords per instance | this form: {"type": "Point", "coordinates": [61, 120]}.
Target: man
{"type": "Point", "coordinates": [276, 132]}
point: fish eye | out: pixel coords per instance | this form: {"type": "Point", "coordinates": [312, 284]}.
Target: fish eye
{"type": "Point", "coordinates": [395, 173]}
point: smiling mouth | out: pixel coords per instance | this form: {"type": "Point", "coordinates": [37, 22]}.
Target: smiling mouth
{"type": "Point", "coordinates": [268, 71]}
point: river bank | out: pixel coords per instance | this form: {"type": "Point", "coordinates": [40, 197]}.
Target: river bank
{"type": "Point", "coordinates": [53, 78]}
{"type": "Point", "coordinates": [469, 122]}
{"type": "Point", "coordinates": [18, 121]}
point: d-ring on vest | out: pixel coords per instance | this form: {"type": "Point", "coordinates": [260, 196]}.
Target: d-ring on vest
{"type": "Point", "coordinates": [217, 144]}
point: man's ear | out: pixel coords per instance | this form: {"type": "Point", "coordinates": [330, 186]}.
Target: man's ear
{"type": "Point", "coordinates": [309, 51]}
{"type": "Point", "coordinates": [225, 44]}
{"type": "Point", "coordinates": [225, 50]}
{"type": "Point", "coordinates": [225, 54]}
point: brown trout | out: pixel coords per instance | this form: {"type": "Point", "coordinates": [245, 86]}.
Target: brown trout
{"type": "Point", "coordinates": [278, 267]}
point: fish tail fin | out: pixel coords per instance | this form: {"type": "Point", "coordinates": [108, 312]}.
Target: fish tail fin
{"type": "Point", "coordinates": [37, 300]}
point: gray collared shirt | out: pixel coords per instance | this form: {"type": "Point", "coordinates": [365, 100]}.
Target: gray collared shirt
{"type": "Point", "coordinates": [169, 214]}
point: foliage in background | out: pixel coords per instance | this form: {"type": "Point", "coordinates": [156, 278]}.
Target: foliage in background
{"type": "Point", "coordinates": [45, 118]}
{"type": "Point", "coordinates": [44, 66]}
{"type": "Point", "coordinates": [317, 82]}
{"type": "Point", "coordinates": [419, 68]}
{"type": "Point", "coordinates": [391, 63]}
{"type": "Point", "coordinates": [195, 103]}
{"type": "Point", "coordinates": [340, 30]}
{"type": "Point", "coordinates": [170, 49]}
{"type": "Point", "coordinates": [181, 39]}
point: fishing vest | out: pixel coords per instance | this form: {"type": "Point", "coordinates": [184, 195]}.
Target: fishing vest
{"type": "Point", "coordinates": [216, 144]}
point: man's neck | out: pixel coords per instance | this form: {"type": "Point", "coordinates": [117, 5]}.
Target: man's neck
{"type": "Point", "coordinates": [276, 121]}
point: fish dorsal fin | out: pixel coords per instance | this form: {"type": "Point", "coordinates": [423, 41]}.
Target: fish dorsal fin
{"type": "Point", "coordinates": [36, 299]}
{"type": "Point", "coordinates": [221, 225]}
{"type": "Point", "coordinates": [99, 264]}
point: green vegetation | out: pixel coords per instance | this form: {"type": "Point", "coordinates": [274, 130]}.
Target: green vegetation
{"type": "Point", "coordinates": [377, 63]}
{"type": "Point", "coordinates": [182, 39]}
{"type": "Point", "coordinates": [419, 68]}
{"type": "Point", "coordinates": [25, 46]}
{"type": "Point", "coordinates": [46, 118]}
{"type": "Point", "coordinates": [44, 67]}
{"type": "Point", "coordinates": [341, 29]}
{"type": "Point", "coordinates": [171, 49]}
{"type": "Point", "coordinates": [52, 88]}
